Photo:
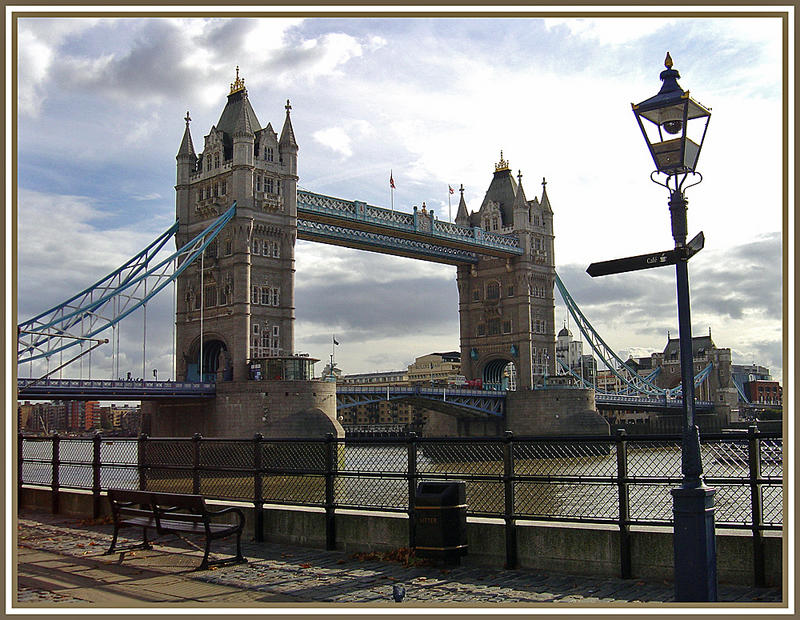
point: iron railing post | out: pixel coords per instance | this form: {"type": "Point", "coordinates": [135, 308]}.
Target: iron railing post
{"type": "Point", "coordinates": [141, 460]}
{"type": "Point", "coordinates": [508, 488]}
{"type": "Point", "coordinates": [96, 442]}
{"type": "Point", "coordinates": [330, 515]}
{"type": "Point", "coordinates": [624, 505]}
{"type": "Point", "coordinates": [757, 508]}
{"type": "Point", "coordinates": [411, 473]}
{"type": "Point", "coordinates": [20, 447]}
{"type": "Point", "coordinates": [196, 439]}
{"type": "Point", "coordinates": [258, 488]}
{"type": "Point", "coordinates": [54, 498]}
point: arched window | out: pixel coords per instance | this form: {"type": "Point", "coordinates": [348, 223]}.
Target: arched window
{"type": "Point", "coordinates": [493, 290]}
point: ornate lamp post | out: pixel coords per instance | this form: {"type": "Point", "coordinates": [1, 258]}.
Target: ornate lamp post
{"type": "Point", "coordinates": [674, 126]}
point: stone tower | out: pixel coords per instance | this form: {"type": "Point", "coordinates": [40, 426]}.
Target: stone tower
{"type": "Point", "coordinates": [506, 306]}
{"type": "Point", "coordinates": [241, 296]}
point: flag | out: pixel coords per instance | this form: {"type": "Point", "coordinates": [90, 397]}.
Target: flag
{"type": "Point", "coordinates": [391, 180]}
{"type": "Point", "coordinates": [336, 342]}
{"type": "Point", "coordinates": [452, 191]}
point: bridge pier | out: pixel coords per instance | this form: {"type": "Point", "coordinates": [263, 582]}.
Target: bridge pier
{"type": "Point", "coordinates": [554, 411]}
{"type": "Point", "coordinates": [276, 409]}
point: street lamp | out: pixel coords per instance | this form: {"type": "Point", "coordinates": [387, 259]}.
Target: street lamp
{"type": "Point", "coordinates": [674, 127]}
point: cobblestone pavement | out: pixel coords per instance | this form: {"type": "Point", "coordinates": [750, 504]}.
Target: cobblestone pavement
{"type": "Point", "coordinates": [61, 562]}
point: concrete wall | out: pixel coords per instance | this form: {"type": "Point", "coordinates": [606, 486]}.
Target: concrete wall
{"type": "Point", "coordinates": [243, 408]}
{"type": "Point", "coordinates": [578, 549]}
{"type": "Point", "coordinates": [554, 411]}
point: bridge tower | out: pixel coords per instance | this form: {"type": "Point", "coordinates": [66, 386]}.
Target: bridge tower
{"type": "Point", "coordinates": [241, 299]}
{"type": "Point", "coordinates": [506, 306]}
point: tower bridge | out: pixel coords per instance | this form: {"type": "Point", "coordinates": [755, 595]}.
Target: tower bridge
{"type": "Point", "coordinates": [239, 215]}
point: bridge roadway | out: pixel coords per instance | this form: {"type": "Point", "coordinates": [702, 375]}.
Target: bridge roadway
{"type": "Point", "coordinates": [480, 402]}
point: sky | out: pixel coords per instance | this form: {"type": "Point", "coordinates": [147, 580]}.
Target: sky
{"type": "Point", "coordinates": [101, 104]}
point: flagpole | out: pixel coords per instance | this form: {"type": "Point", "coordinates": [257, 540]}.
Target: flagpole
{"type": "Point", "coordinates": [391, 188]}
{"type": "Point", "coordinates": [449, 212]}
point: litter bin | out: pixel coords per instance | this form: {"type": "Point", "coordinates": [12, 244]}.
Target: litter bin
{"type": "Point", "coordinates": [441, 520]}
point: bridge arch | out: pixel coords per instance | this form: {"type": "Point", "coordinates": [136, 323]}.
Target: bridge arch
{"type": "Point", "coordinates": [216, 359]}
{"type": "Point", "coordinates": [499, 374]}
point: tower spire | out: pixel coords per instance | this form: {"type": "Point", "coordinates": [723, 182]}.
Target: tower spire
{"type": "Point", "coordinates": [187, 148]}
{"type": "Point", "coordinates": [237, 84]}
{"type": "Point", "coordinates": [287, 134]}
{"type": "Point", "coordinates": [462, 216]}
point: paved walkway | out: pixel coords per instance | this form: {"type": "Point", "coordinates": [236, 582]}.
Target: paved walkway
{"type": "Point", "coordinates": [60, 562]}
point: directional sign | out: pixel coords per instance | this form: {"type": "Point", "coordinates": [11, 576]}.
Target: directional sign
{"type": "Point", "coordinates": [647, 261]}
{"type": "Point", "coordinates": [632, 263]}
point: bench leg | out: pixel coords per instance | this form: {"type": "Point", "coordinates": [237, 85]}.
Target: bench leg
{"type": "Point", "coordinates": [113, 542]}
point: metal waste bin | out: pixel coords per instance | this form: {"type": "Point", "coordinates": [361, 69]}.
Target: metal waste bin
{"type": "Point", "coordinates": [441, 520]}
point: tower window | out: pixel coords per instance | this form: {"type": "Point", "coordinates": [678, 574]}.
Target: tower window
{"type": "Point", "coordinates": [266, 251]}
{"type": "Point", "coordinates": [255, 296]}
{"type": "Point", "coordinates": [506, 327]}
{"type": "Point", "coordinates": [211, 296]}
{"type": "Point", "coordinates": [476, 294]}
{"type": "Point", "coordinates": [258, 183]}
{"type": "Point", "coordinates": [276, 296]}
{"type": "Point", "coordinates": [265, 296]}
{"type": "Point", "coordinates": [270, 153]}
{"type": "Point", "coordinates": [276, 249]}
{"type": "Point", "coordinates": [255, 329]}
{"type": "Point", "coordinates": [228, 246]}
{"type": "Point", "coordinates": [270, 186]}
{"type": "Point", "coordinates": [278, 186]}
{"type": "Point", "coordinates": [493, 290]}
{"type": "Point", "coordinates": [216, 160]}
{"type": "Point", "coordinates": [510, 292]}
{"type": "Point", "coordinates": [256, 246]}
{"type": "Point", "coordinates": [482, 329]}
{"type": "Point", "coordinates": [494, 327]}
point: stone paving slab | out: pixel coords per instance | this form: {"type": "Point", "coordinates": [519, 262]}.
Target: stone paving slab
{"type": "Point", "coordinates": [62, 561]}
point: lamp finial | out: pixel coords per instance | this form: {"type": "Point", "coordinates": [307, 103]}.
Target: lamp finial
{"type": "Point", "coordinates": [668, 61]}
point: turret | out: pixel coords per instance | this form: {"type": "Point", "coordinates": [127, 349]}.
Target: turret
{"type": "Point", "coordinates": [462, 215]}
{"type": "Point", "coordinates": [520, 209]}
{"type": "Point", "coordinates": [186, 166]}
{"type": "Point", "coordinates": [287, 147]}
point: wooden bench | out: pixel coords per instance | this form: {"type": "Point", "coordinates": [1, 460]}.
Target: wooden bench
{"type": "Point", "coordinates": [173, 513]}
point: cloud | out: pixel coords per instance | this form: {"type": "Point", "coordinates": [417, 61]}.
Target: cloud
{"type": "Point", "coordinates": [336, 139]}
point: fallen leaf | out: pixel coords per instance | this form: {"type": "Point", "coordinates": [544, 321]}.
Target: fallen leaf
{"type": "Point", "coordinates": [305, 565]}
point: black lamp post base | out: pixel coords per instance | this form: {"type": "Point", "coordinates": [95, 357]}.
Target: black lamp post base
{"type": "Point", "coordinates": [695, 548]}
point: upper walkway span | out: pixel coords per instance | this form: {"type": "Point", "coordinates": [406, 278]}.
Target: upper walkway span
{"type": "Point", "coordinates": [420, 234]}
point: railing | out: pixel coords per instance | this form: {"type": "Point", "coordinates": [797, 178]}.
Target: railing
{"type": "Point", "coordinates": [621, 480]}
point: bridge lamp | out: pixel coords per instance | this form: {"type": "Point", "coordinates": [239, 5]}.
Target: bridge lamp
{"type": "Point", "coordinates": [674, 128]}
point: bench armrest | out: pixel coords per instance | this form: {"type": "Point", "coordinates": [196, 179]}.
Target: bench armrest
{"type": "Point", "coordinates": [221, 511]}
